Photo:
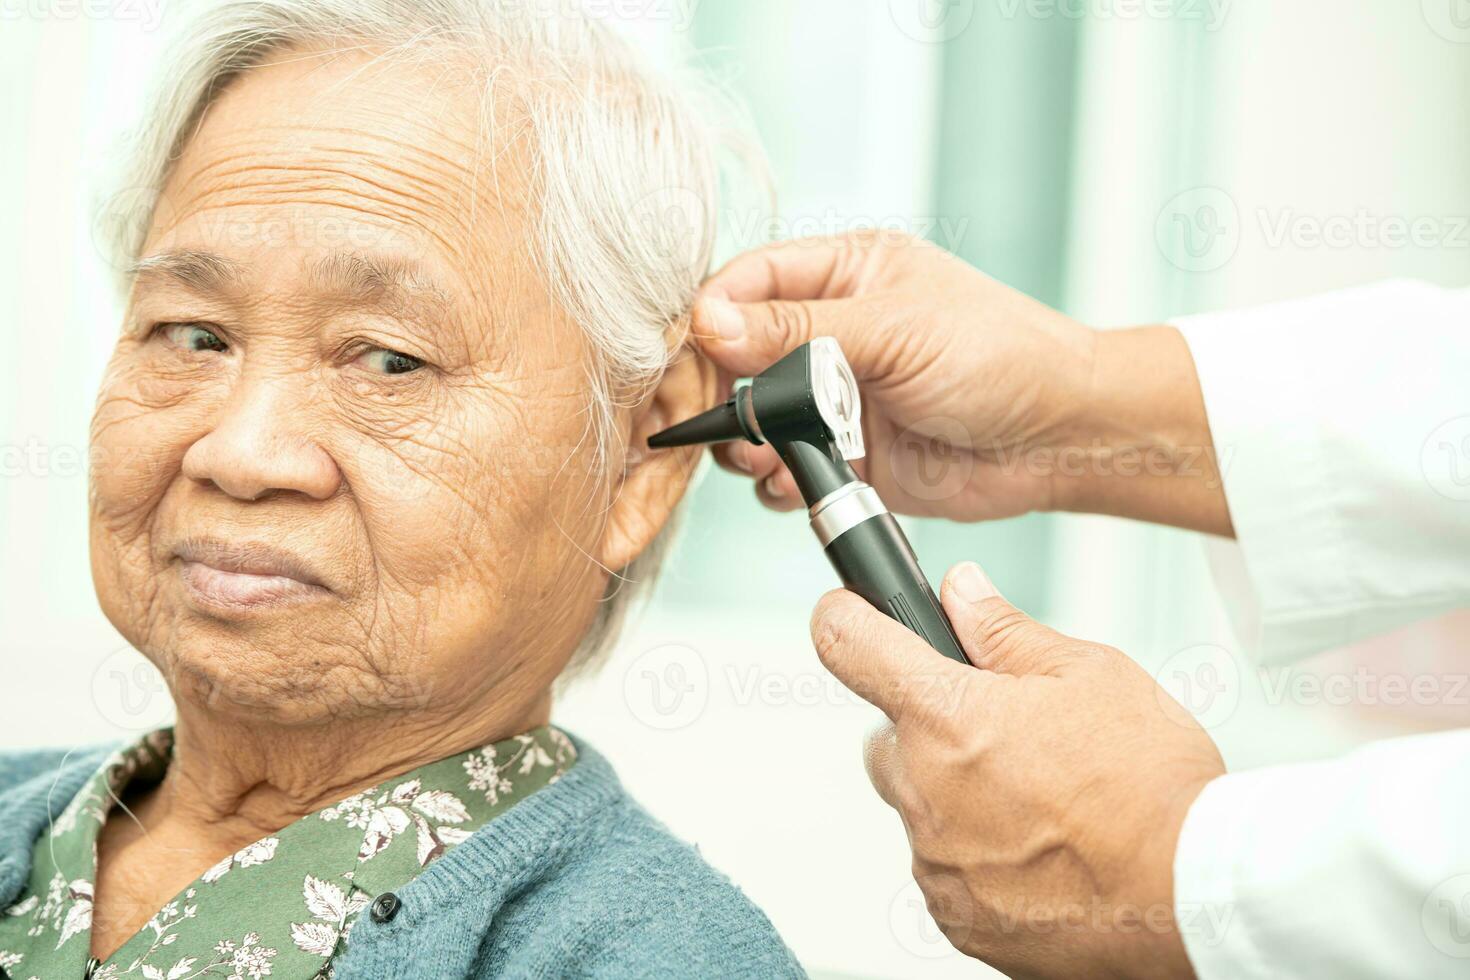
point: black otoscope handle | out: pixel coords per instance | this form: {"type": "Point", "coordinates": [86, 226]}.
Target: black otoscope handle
{"type": "Point", "coordinates": [873, 559]}
{"type": "Point", "coordinates": [866, 545]}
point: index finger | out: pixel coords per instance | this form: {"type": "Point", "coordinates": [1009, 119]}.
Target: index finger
{"type": "Point", "coordinates": [799, 269]}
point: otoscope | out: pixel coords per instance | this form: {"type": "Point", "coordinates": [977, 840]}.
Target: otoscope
{"type": "Point", "coordinates": [807, 407]}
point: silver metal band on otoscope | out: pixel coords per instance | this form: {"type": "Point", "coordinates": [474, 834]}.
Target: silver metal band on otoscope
{"type": "Point", "coordinates": [844, 509]}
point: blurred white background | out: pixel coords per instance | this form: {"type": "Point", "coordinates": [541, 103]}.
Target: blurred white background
{"type": "Point", "coordinates": [1127, 161]}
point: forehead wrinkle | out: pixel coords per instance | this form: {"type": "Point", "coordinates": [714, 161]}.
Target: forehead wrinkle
{"type": "Point", "coordinates": [348, 153]}
{"type": "Point", "coordinates": [286, 184]}
{"type": "Point", "coordinates": [417, 203]}
{"type": "Point", "coordinates": [468, 152]}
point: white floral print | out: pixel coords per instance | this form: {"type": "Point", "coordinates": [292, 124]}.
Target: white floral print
{"type": "Point", "coordinates": [383, 816]}
{"type": "Point", "coordinates": [79, 913]}
{"type": "Point", "coordinates": [247, 857]}
{"type": "Point", "coordinates": [66, 909]}
{"type": "Point", "coordinates": [333, 911]}
{"type": "Point", "coordinates": [487, 771]}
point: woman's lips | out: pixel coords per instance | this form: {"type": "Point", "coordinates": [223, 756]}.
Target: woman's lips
{"type": "Point", "coordinates": [238, 578]}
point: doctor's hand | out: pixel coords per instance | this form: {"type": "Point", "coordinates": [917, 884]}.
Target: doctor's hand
{"type": "Point", "coordinates": [979, 402]}
{"type": "Point", "coordinates": [1043, 793]}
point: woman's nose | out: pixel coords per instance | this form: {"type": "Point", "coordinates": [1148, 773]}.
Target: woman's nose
{"type": "Point", "coordinates": [262, 444]}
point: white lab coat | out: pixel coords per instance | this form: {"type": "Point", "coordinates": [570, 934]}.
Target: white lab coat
{"type": "Point", "coordinates": [1343, 422]}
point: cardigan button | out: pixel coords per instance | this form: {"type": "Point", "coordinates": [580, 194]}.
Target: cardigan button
{"type": "Point", "coordinates": [385, 907]}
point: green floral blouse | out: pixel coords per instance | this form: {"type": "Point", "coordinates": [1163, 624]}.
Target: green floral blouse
{"type": "Point", "coordinates": [282, 907]}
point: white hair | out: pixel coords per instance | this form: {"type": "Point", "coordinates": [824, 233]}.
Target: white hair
{"type": "Point", "coordinates": [624, 173]}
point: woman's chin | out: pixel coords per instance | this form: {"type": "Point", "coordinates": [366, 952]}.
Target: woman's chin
{"type": "Point", "coordinates": [256, 685]}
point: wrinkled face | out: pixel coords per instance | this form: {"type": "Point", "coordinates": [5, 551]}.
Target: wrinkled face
{"type": "Point", "coordinates": [342, 455]}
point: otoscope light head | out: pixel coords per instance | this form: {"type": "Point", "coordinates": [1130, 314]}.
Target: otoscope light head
{"type": "Point", "coordinates": [809, 396]}
{"type": "Point", "coordinates": [836, 392]}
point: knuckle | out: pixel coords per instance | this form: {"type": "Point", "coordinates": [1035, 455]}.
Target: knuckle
{"type": "Point", "coordinates": [790, 322]}
{"type": "Point", "coordinates": [1001, 628]}
{"type": "Point", "coordinates": [921, 816]}
{"type": "Point", "coordinates": [905, 240]}
{"type": "Point", "coordinates": [917, 815]}
{"type": "Point", "coordinates": [1095, 651]}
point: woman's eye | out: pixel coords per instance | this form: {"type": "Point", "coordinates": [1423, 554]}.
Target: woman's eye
{"type": "Point", "coordinates": [193, 336]}
{"type": "Point", "coordinates": [389, 362]}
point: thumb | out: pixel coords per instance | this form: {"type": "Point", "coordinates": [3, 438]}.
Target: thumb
{"type": "Point", "coordinates": [884, 663]}
{"type": "Point", "coordinates": [995, 634]}
{"type": "Point", "coordinates": [746, 338]}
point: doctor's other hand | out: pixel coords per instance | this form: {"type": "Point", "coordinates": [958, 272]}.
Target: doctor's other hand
{"type": "Point", "coordinates": [978, 401]}
{"type": "Point", "coordinates": [1043, 790]}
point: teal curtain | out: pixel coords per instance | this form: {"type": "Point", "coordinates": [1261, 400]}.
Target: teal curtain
{"type": "Point", "coordinates": [825, 83]}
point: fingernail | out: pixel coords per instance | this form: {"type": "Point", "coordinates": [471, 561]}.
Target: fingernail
{"type": "Point", "coordinates": [770, 485]}
{"type": "Point", "coordinates": [726, 318]}
{"type": "Point", "coordinates": [971, 584]}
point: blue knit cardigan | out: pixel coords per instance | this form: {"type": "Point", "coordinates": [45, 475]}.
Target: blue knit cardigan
{"type": "Point", "coordinates": [577, 880]}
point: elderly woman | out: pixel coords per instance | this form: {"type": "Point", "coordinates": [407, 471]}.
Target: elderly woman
{"type": "Point", "coordinates": [365, 484]}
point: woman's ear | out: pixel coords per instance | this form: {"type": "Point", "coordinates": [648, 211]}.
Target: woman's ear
{"type": "Point", "coordinates": [655, 481]}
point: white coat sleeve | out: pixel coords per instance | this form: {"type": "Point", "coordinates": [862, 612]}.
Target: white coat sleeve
{"type": "Point", "coordinates": [1342, 423]}
{"type": "Point", "coordinates": [1352, 869]}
